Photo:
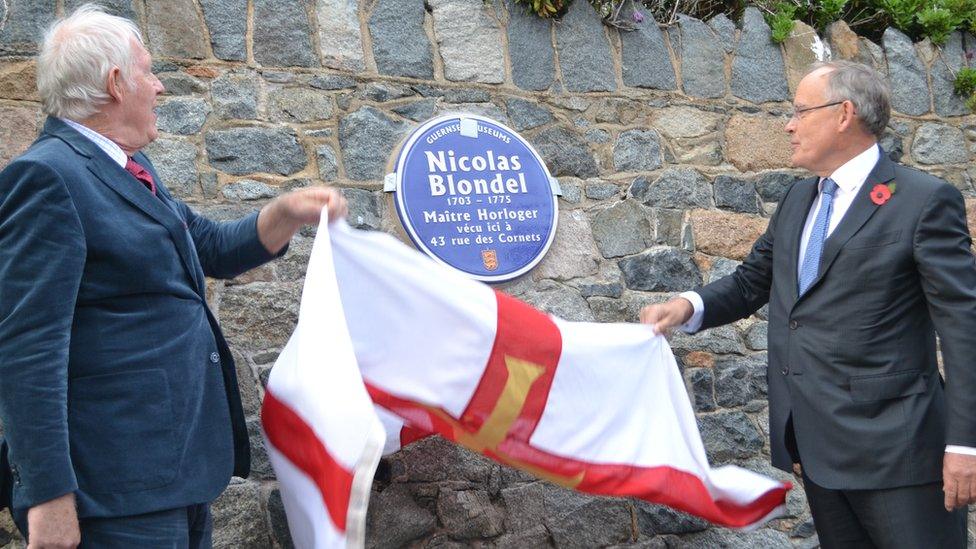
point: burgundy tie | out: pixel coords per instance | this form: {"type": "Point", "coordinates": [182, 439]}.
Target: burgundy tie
{"type": "Point", "coordinates": [141, 174]}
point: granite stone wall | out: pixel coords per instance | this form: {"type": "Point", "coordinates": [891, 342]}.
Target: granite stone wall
{"type": "Point", "coordinates": [669, 146]}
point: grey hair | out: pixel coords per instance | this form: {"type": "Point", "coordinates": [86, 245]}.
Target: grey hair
{"type": "Point", "coordinates": [862, 86]}
{"type": "Point", "coordinates": [76, 56]}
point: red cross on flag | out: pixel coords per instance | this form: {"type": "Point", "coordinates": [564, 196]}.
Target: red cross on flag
{"type": "Point", "coordinates": [601, 408]}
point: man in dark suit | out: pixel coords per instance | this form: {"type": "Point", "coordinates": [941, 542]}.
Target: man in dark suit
{"type": "Point", "coordinates": [861, 266]}
{"type": "Point", "coordinates": [118, 393]}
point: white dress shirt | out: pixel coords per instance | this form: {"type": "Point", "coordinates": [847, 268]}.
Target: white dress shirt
{"type": "Point", "coordinates": [107, 145]}
{"type": "Point", "coordinates": [850, 177]}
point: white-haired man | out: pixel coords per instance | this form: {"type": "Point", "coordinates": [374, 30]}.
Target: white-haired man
{"type": "Point", "coordinates": [118, 393]}
{"type": "Point", "coordinates": [861, 267]}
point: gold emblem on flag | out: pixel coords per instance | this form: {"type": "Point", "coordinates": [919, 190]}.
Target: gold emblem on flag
{"type": "Point", "coordinates": [490, 259]}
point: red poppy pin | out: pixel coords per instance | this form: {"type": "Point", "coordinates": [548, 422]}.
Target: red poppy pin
{"type": "Point", "coordinates": [881, 193]}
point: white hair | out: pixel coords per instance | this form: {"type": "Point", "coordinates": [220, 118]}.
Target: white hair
{"type": "Point", "coordinates": [76, 56]}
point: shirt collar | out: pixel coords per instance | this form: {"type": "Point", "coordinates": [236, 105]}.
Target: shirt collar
{"type": "Point", "coordinates": [105, 144]}
{"type": "Point", "coordinates": [853, 173]}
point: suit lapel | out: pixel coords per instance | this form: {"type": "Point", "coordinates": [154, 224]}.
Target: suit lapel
{"type": "Point", "coordinates": [126, 186]}
{"type": "Point", "coordinates": [807, 194]}
{"type": "Point", "coordinates": [861, 209]}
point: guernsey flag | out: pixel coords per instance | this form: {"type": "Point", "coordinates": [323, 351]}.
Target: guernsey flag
{"type": "Point", "coordinates": [600, 408]}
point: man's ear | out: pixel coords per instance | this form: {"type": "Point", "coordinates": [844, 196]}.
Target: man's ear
{"type": "Point", "coordinates": [114, 84]}
{"type": "Point", "coordinates": [848, 117]}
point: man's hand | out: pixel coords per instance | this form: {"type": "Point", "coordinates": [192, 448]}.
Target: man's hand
{"type": "Point", "coordinates": [283, 216]}
{"type": "Point", "coordinates": [666, 316]}
{"type": "Point", "coordinates": [53, 524]}
{"type": "Point", "coordinates": [958, 480]}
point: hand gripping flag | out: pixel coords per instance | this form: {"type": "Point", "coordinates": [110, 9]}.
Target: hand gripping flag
{"type": "Point", "coordinates": [600, 408]}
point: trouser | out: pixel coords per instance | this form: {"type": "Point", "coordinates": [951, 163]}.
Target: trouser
{"type": "Point", "coordinates": [907, 516]}
{"type": "Point", "coordinates": [181, 528]}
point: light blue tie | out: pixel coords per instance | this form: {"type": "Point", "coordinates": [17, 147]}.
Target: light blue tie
{"type": "Point", "coordinates": [811, 260]}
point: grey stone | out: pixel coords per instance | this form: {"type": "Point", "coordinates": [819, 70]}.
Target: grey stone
{"type": "Point", "coordinates": [469, 514]}
{"type": "Point", "coordinates": [488, 110]}
{"type": "Point", "coordinates": [175, 29]}
{"type": "Point", "coordinates": [260, 464]}
{"type": "Point", "coordinates": [637, 151]}
{"type": "Point", "coordinates": [227, 21]}
{"type": "Point", "coordinates": [249, 189]}
{"type": "Point", "coordinates": [947, 102]}
{"type": "Point", "coordinates": [524, 503]}
{"type": "Point", "coordinates": [622, 229]}
{"type": "Point", "coordinates": [772, 186]}
{"type": "Point", "coordinates": [701, 383]}
{"type": "Point", "coordinates": [537, 536]}
{"type": "Point", "coordinates": [526, 115]}
{"type": "Point", "coordinates": [668, 226]}
{"type": "Point", "coordinates": [366, 139]}
{"type": "Point", "coordinates": [739, 380]}
{"type": "Point", "coordinates": [400, 45]}
{"type": "Point", "coordinates": [737, 195]}
{"type": "Point", "coordinates": [279, 521]}
{"type": "Point", "coordinates": [208, 183]}
{"type": "Point", "coordinates": [560, 300]}
{"type": "Point", "coordinates": [608, 282]}
{"type": "Point", "coordinates": [240, 151]}
{"type": "Point", "coordinates": [655, 520]}
{"type": "Point", "coordinates": [238, 518]}
{"type": "Point", "coordinates": [328, 164]}
{"type": "Point", "coordinates": [383, 91]}
{"type": "Point", "coordinates": [719, 340]}
{"type": "Point", "coordinates": [906, 74]}
{"type": "Point", "coordinates": [319, 132]}
{"type": "Point", "coordinates": [365, 208]}
{"type": "Point", "coordinates": [299, 105]}
{"type": "Point", "coordinates": [758, 72]}
{"type": "Point", "coordinates": [702, 58]}
{"type": "Point", "coordinates": [565, 152]}
{"type": "Point", "coordinates": [279, 77]}
{"type": "Point", "coordinates": [728, 436]}
{"type": "Point", "coordinates": [721, 267]}
{"type": "Point", "coordinates": [530, 48]}
{"type": "Point", "coordinates": [596, 135]}
{"type": "Point", "coordinates": [469, 38]}
{"type": "Point", "coordinates": [724, 30]}
{"type": "Point", "coordinates": [573, 253]}
{"type": "Point", "coordinates": [624, 309]}
{"type": "Point", "coordinates": [259, 315]}
{"type": "Point", "coordinates": [645, 61]}
{"type": "Point", "coordinates": [805, 529]}
{"type": "Point", "coordinates": [394, 519]}
{"type": "Point", "coordinates": [757, 336]}
{"type": "Point", "coordinates": [434, 459]}
{"type": "Point", "coordinates": [579, 521]}
{"type": "Point", "coordinates": [466, 95]}
{"type": "Point", "coordinates": [719, 538]}
{"type": "Point", "coordinates": [417, 111]}
{"type": "Point", "coordinates": [572, 192]}
{"type": "Point", "coordinates": [178, 83]}
{"type": "Point", "coordinates": [175, 162]}
{"type": "Point", "coordinates": [584, 52]}
{"type": "Point", "coordinates": [339, 37]}
{"type": "Point", "coordinates": [282, 34]}
{"type": "Point", "coordinates": [122, 8]}
{"type": "Point", "coordinates": [332, 82]}
{"type": "Point", "coordinates": [893, 145]}
{"type": "Point", "coordinates": [24, 25]}
{"type": "Point", "coordinates": [679, 188]}
{"type": "Point", "coordinates": [660, 269]}
{"type": "Point", "coordinates": [939, 144]}
{"type": "Point", "coordinates": [183, 115]}
{"type": "Point", "coordinates": [601, 191]}
{"type": "Point", "coordinates": [235, 96]}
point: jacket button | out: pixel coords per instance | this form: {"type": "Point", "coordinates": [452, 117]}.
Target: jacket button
{"type": "Point", "coordinates": [214, 357]}
{"type": "Point", "coordinates": [794, 324]}
{"type": "Point", "coordinates": [786, 370]}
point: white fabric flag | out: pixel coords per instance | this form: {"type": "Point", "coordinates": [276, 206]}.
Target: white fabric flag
{"type": "Point", "coordinates": [597, 407]}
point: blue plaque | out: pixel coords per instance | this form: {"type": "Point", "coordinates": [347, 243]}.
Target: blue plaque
{"type": "Point", "coordinates": [474, 195]}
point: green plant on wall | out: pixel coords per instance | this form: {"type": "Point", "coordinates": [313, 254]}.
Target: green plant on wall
{"type": "Point", "coordinates": [545, 8]}
{"type": "Point", "coordinates": [780, 21]}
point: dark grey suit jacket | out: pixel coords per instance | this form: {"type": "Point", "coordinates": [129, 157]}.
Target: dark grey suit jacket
{"type": "Point", "coordinates": [854, 359]}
